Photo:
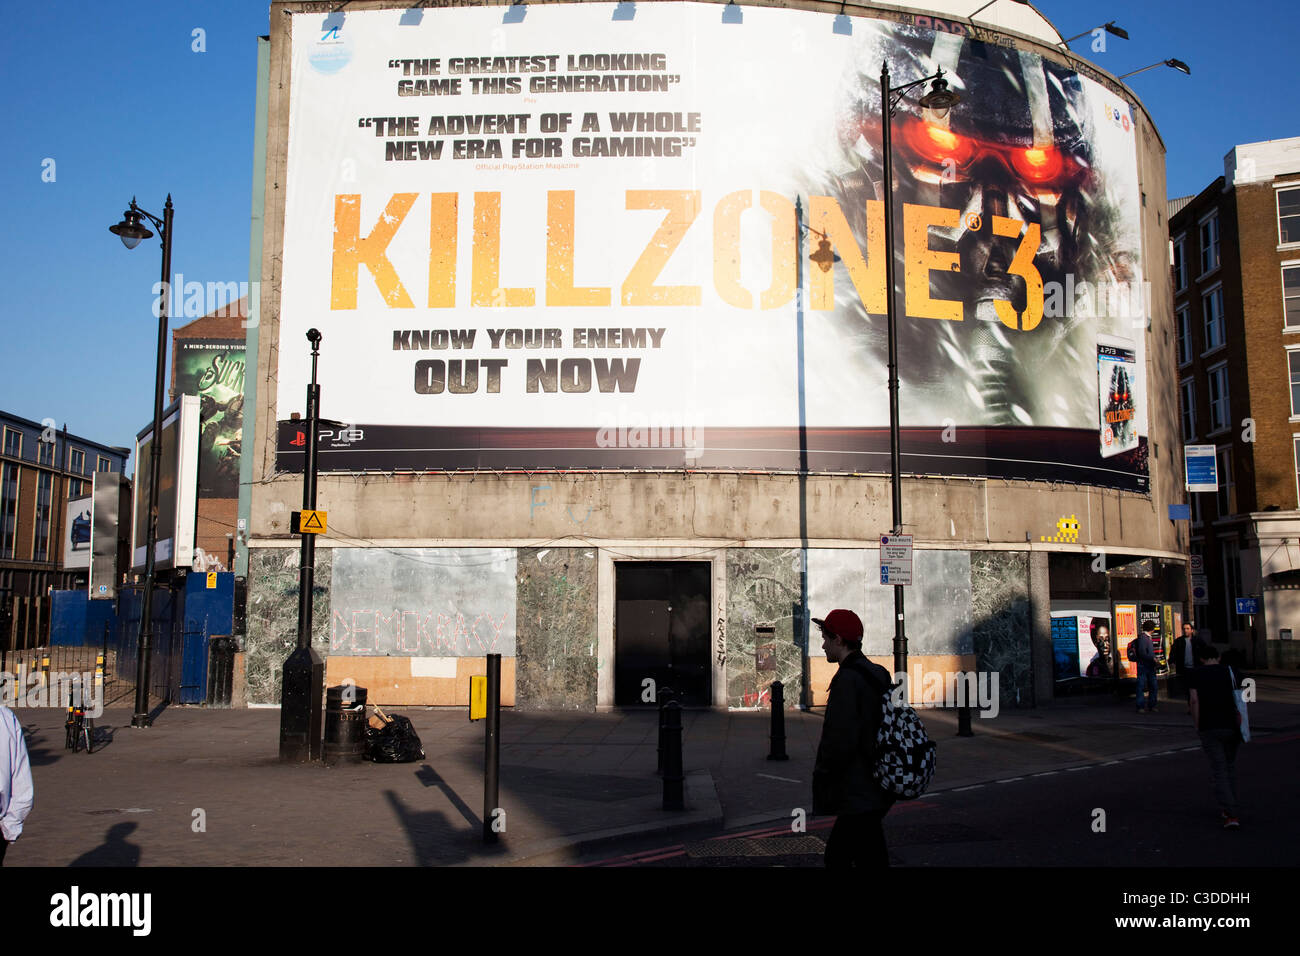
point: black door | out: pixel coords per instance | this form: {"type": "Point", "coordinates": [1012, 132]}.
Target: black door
{"type": "Point", "coordinates": [662, 631]}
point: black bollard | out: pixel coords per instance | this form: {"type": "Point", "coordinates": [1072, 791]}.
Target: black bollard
{"type": "Point", "coordinates": [673, 777]}
{"type": "Point", "coordinates": [778, 723]}
{"type": "Point", "coordinates": [492, 749]}
{"type": "Point", "coordinates": [664, 697]}
{"type": "Point", "coordinates": [963, 722]}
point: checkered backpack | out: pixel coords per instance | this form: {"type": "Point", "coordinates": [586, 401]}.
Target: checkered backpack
{"type": "Point", "coordinates": [905, 755]}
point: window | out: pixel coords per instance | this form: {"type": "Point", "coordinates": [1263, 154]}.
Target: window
{"type": "Point", "coordinates": [1180, 266]}
{"type": "Point", "coordinates": [1226, 501]}
{"type": "Point", "coordinates": [13, 443]}
{"type": "Point", "coordinates": [1212, 309]}
{"type": "Point", "coordinates": [104, 465]}
{"type": "Point", "coordinates": [1195, 498]}
{"type": "Point", "coordinates": [1291, 295]}
{"type": "Point", "coordinates": [1295, 441]}
{"type": "Point", "coordinates": [1183, 320]}
{"type": "Point", "coordinates": [1293, 365]}
{"type": "Point", "coordinates": [45, 452]}
{"type": "Point", "coordinates": [1288, 215]}
{"type": "Point", "coordinates": [44, 492]}
{"type": "Point", "coordinates": [1217, 379]}
{"type": "Point", "coordinates": [8, 509]}
{"type": "Point", "coordinates": [78, 463]}
{"type": "Point", "coordinates": [74, 487]}
{"type": "Point", "coordinates": [1187, 393]}
{"type": "Point", "coordinates": [1210, 244]}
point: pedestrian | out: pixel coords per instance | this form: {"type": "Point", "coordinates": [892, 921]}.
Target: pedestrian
{"type": "Point", "coordinates": [1218, 722]}
{"type": "Point", "coordinates": [843, 781]}
{"type": "Point", "coordinates": [15, 780]}
{"type": "Point", "coordinates": [1185, 660]}
{"type": "Point", "coordinates": [1145, 656]}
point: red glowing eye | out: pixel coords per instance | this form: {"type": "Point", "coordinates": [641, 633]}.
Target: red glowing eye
{"type": "Point", "coordinates": [936, 143]}
{"type": "Point", "coordinates": [1038, 165]}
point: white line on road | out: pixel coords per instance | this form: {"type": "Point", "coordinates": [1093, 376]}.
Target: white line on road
{"type": "Point", "coordinates": [1011, 779]}
{"type": "Point", "coordinates": [770, 777]}
{"type": "Point", "coordinates": [1047, 773]}
{"type": "Point", "coordinates": [962, 789]}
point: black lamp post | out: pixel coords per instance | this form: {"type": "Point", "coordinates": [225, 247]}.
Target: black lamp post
{"type": "Point", "coordinates": [303, 679]}
{"type": "Point", "coordinates": [1173, 64]}
{"type": "Point", "coordinates": [1109, 26]}
{"type": "Point", "coordinates": [938, 100]}
{"type": "Point", "coordinates": [131, 230]}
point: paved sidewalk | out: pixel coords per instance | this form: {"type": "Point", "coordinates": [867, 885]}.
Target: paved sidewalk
{"type": "Point", "coordinates": [205, 787]}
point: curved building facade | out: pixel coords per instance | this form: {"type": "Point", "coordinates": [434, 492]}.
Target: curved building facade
{"type": "Point", "coordinates": [602, 290]}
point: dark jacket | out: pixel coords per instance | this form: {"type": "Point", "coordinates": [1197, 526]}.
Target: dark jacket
{"type": "Point", "coordinates": [842, 778]}
{"type": "Point", "coordinates": [1146, 650]}
{"type": "Point", "coordinates": [1177, 653]}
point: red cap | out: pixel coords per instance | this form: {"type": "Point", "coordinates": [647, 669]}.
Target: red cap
{"type": "Point", "coordinates": [845, 625]}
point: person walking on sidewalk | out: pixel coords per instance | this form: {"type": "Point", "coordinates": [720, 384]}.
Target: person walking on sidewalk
{"type": "Point", "coordinates": [15, 780]}
{"type": "Point", "coordinates": [1184, 660]}
{"type": "Point", "coordinates": [1217, 721]}
{"type": "Point", "coordinates": [1146, 667]}
{"type": "Point", "coordinates": [843, 782]}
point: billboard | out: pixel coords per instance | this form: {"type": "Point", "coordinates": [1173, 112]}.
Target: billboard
{"type": "Point", "coordinates": [213, 369]}
{"type": "Point", "coordinates": [589, 242]}
{"type": "Point", "coordinates": [109, 497]}
{"type": "Point", "coordinates": [177, 486]}
{"type": "Point", "coordinates": [1081, 645]}
{"type": "Point", "coordinates": [76, 533]}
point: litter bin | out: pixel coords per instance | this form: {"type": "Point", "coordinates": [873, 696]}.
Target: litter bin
{"type": "Point", "coordinates": [345, 724]}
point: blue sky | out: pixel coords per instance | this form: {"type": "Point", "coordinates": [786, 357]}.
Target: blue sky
{"type": "Point", "coordinates": [117, 97]}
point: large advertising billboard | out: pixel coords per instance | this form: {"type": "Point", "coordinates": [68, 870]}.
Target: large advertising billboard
{"type": "Point", "coordinates": [213, 369]}
{"type": "Point", "coordinates": [572, 239]}
{"type": "Point", "coordinates": [178, 482]}
{"type": "Point", "coordinates": [76, 533]}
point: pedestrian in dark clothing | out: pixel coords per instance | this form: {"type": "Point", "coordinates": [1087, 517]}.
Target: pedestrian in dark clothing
{"type": "Point", "coordinates": [1184, 660]}
{"type": "Point", "coordinates": [843, 782]}
{"type": "Point", "coordinates": [1146, 668]}
{"type": "Point", "coordinates": [1215, 716]}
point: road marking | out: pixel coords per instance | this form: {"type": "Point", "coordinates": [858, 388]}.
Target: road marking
{"type": "Point", "coordinates": [963, 789]}
{"type": "Point", "coordinates": [771, 777]}
{"type": "Point", "coordinates": [1047, 773]}
{"type": "Point", "coordinates": [1011, 779]}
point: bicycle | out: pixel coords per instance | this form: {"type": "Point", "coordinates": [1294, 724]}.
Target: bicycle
{"type": "Point", "coordinates": [78, 729]}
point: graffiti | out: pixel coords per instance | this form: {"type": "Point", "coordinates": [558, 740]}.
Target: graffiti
{"type": "Point", "coordinates": [722, 641]}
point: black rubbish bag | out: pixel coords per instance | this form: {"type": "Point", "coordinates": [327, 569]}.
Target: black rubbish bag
{"type": "Point", "coordinates": [395, 742]}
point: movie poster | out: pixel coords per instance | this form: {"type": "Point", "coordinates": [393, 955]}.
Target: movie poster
{"type": "Point", "coordinates": [213, 369]}
{"type": "Point", "coordinates": [1126, 630]}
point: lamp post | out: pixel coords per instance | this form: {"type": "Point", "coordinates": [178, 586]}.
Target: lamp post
{"type": "Point", "coordinates": [303, 679]}
{"type": "Point", "coordinates": [1109, 26]}
{"type": "Point", "coordinates": [131, 230]}
{"type": "Point", "coordinates": [938, 100]}
{"type": "Point", "coordinates": [1173, 64]}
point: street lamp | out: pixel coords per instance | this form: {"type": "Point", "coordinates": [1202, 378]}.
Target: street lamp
{"type": "Point", "coordinates": [1109, 27]}
{"type": "Point", "coordinates": [938, 100]}
{"type": "Point", "coordinates": [131, 230]}
{"type": "Point", "coordinates": [1173, 64]}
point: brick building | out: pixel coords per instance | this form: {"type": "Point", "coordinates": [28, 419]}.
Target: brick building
{"type": "Point", "coordinates": [1236, 278]}
{"type": "Point", "coordinates": [41, 468]}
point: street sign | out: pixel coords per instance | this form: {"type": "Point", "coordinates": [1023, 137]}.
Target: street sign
{"type": "Point", "coordinates": [1197, 563]}
{"type": "Point", "coordinates": [307, 522]}
{"type": "Point", "coordinates": [896, 559]}
{"type": "Point", "coordinates": [1247, 605]}
{"type": "Point", "coordinates": [1180, 512]}
{"type": "Point", "coordinates": [1200, 589]}
{"type": "Point", "coordinates": [477, 697]}
{"type": "Point", "coordinates": [1201, 467]}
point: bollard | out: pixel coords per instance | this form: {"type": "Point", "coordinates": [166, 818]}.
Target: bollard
{"type": "Point", "coordinates": [665, 696]}
{"type": "Point", "coordinates": [778, 723]}
{"type": "Point", "coordinates": [492, 748]}
{"type": "Point", "coordinates": [673, 778]}
{"type": "Point", "coordinates": [963, 722]}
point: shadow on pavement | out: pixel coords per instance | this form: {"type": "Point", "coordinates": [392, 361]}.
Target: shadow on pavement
{"type": "Point", "coordinates": [435, 841]}
{"type": "Point", "coordinates": [115, 851]}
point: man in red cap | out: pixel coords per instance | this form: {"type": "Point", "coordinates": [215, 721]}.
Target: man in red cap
{"type": "Point", "coordinates": [843, 782]}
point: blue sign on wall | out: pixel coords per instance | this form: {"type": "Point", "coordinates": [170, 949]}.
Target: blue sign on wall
{"type": "Point", "coordinates": [1247, 605]}
{"type": "Point", "coordinates": [1201, 467]}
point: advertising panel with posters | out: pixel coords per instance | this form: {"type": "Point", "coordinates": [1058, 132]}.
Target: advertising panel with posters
{"type": "Point", "coordinates": [1081, 645]}
{"type": "Point", "coordinates": [213, 369]}
{"type": "Point", "coordinates": [177, 485]}
{"type": "Point", "coordinates": [573, 239]}
{"type": "Point", "coordinates": [1126, 630]}
{"type": "Point", "coordinates": [76, 533]}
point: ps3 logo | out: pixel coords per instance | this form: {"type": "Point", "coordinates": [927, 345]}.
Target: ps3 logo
{"type": "Point", "coordinates": [344, 436]}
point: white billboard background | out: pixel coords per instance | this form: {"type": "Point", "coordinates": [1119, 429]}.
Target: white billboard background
{"type": "Point", "coordinates": [765, 92]}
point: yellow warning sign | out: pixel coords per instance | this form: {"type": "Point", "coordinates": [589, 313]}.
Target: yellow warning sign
{"type": "Point", "coordinates": [311, 522]}
{"type": "Point", "coordinates": [212, 580]}
{"type": "Point", "coordinates": [477, 697]}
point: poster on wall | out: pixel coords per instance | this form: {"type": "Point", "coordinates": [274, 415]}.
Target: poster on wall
{"type": "Point", "coordinates": [1081, 645]}
{"type": "Point", "coordinates": [213, 369]}
{"type": "Point", "coordinates": [1126, 630]}
{"type": "Point", "coordinates": [571, 257]}
{"type": "Point", "coordinates": [1119, 398]}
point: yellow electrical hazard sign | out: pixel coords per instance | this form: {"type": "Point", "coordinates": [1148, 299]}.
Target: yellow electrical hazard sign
{"type": "Point", "coordinates": [212, 580]}
{"type": "Point", "coordinates": [307, 522]}
{"type": "Point", "coordinates": [478, 697]}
